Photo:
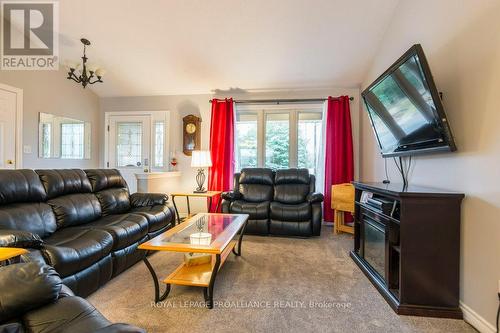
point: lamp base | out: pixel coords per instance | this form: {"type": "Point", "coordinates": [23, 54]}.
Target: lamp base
{"type": "Point", "coordinates": [200, 180]}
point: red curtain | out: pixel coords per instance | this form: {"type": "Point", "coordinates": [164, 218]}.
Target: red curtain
{"type": "Point", "coordinates": [221, 147]}
{"type": "Point", "coordinates": [339, 160]}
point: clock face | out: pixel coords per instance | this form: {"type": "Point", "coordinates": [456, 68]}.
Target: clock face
{"type": "Point", "coordinates": [190, 128]}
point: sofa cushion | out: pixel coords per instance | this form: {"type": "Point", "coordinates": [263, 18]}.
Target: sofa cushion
{"type": "Point", "coordinates": [36, 218]}
{"type": "Point", "coordinates": [296, 213]}
{"type": "Point", "coordinates": [291, 193]}
{"type": "Point", "coordinates": [158, 216]}
{"type": "Point", "coordinates": [90, 279]}
{"type": "Point", "coordinates": [70, 250]}
{"type": "Point", "coordinates": [263, 176]}
{"type": "Point", "coordinates": [257, 227]}
{"type": "Point", "coordinates": [114, 200]}
{"type": "Point", "coordinates": [67, 314]}
{"type": "Point", "coordinates": [290, 228]}
{"type": "Point", "coordinates": [102, 179]}
{"type": "Point", "coordinates": [256, 184]}
{"type": "Point", "coordinates": [26, 286]}
{"type": "Point", "coordinates": [20, 186]}
{"type": "Point", "coordinates": [292, 176]}
{"type": "Point", "coordinates": [126, 229]}
{"type": "Point", "coordinates": [256, 211]}
{"type": "Point", "coordinates": [75, 209]}
{"type": "Point", "coordinates": [291, 185]}
{"type": "Point", "coordinates": [58, 182]}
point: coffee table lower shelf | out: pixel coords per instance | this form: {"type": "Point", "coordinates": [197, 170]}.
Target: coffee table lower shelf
{"type": "Point", "coordinates": [198, 275]}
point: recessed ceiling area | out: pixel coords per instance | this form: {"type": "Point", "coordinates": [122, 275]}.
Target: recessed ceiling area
{"type": "Point", "coordinates": [155, 47]}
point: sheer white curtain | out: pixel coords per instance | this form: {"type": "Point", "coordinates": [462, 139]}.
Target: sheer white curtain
{"type": "Point", "coordinates": [320, 163]}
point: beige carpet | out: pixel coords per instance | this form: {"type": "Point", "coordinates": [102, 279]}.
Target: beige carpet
{"type": "Point", "coordinates": [278, 285]}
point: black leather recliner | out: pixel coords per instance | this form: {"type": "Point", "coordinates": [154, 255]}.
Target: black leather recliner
{"type": "Point", "coordinates": [34, 299]}
{"type": "Point", "coordinates": [281, 202]}
{"type": "Point", "coordinates": [83, 223]}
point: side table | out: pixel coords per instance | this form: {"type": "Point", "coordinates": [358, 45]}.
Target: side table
{"type": "Point", "coordinates": [209, 194]}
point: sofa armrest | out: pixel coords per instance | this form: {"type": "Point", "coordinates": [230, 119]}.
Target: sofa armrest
{"type": "Point", "coordinates": [231, 195]}
{"type": "Point", "coordinates": [148, 199]}
{"type": "Point", "coordinates": [317, 218]}
{"type": "Point", "coordinates": [66, 292]}
{"type": "Point", "coordinates": [25, 287]}
{"type": "Point", "coordinates": [19, 238]}
{"type": "Point", "coordinates": [13, 327]}
{"type": "Point", "coordinates": [315, 197]}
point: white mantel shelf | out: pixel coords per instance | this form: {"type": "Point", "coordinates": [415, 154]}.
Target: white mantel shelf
{"type": "Point", "coordinates": [157, 175]}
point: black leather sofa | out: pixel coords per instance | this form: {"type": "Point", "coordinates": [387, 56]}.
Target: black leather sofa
{"type": "Point", "coordinates": [34, 299]}
{"type": "Point", "coordinates": [281, 202]}
{"type": "Point", "coordinates": [85, 224]}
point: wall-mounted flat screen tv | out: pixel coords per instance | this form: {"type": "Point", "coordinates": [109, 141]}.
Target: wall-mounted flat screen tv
{"type": "Point", "coordinates": [405, 109]}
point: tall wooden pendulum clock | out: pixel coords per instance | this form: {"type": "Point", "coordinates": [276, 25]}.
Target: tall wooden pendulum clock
{"type": "Point", "coordinates": [191, 134]}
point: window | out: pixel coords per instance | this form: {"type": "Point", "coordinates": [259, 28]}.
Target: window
{"type": "Point", "coordinates": [277, 141]}
{"type": "Point", "coordinates": [309, 140]}
{"type": "Point", "coordinates": [246, 138]}
{"type": "Point", "coordinates": [46, 140]}
{"type": "Point", "coordinates": [72, 137]}
{"type": "Point", "coordinates": [129, 144]}
{"type": "Point", "coordinates": [278, 137]}
{"type": "Point", "coordinates": [159, 144]}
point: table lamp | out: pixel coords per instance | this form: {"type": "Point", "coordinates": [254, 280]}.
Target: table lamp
{"type": "Point", "coordinates": [201, 159]}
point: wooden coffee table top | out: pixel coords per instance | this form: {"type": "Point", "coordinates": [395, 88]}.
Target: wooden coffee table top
{"type": "Point", "coordinates": [223, 227]}
{"type": "Point", "coordinates": [7, 253]}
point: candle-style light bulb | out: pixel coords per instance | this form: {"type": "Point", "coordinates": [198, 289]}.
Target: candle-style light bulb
{"type": "Point", "coordinates": [100, 72]}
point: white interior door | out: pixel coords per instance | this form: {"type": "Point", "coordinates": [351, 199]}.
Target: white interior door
{"type": "Point", "coordinates": [9, 138]}
{"type": "Point", "coordinates": [129, 141]}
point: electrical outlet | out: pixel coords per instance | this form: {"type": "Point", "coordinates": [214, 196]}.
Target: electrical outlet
{"type": "Point", "coordinates": [27, 149]}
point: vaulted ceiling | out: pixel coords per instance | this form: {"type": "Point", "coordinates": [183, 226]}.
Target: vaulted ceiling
{"type": "Point", "coordinates": [154, 47]}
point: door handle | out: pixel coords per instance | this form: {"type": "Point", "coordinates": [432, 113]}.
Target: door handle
{"type": "Point", "coordinates": [10, 162]}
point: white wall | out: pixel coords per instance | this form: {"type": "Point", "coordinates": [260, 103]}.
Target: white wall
{"type": "Point", "coordinates": [461, 40]}
{"type": "Point", "coordinates": [51, 92]}
{"type": "Point", "coordinates": [182, 105]}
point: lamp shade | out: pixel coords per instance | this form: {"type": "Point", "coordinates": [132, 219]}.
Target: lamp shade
{"type": "Point", "coordinates": [201, 159]}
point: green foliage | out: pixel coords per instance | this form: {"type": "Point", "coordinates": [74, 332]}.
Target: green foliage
{"type": "Point", "coordinates": [277, 145]}
{"type": "Point", "coordinates": [304, 160]}
{"type": "Point", "coordinates": [247, 144]}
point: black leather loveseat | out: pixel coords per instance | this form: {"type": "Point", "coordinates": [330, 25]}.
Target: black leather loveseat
{"type": "Point", "coordinates": [33, 299]}
{"type": "Point", "coordinates": [281, 202]}
{"type": "Point", "coordinates": [85, 224]}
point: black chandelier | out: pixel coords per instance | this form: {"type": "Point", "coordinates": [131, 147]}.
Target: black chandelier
{"type": "Point", "coordinates": [87, 73]}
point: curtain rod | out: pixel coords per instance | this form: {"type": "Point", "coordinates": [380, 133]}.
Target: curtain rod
{"type": "Point", "coordinates": [278, 101]}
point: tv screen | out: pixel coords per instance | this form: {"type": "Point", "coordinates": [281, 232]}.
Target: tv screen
{"type": "Point", "coordinates": [405, 109]}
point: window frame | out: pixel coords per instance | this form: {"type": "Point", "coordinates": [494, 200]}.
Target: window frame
{"type": "Point", "coordinates": [293, 110]}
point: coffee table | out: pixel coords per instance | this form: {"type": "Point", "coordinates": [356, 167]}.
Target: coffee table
{"type": "Point", "coordinates": [224, 229]}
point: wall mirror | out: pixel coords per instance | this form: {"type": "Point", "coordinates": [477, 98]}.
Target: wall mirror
{"type": "Point", "coordinates": [61, 137]}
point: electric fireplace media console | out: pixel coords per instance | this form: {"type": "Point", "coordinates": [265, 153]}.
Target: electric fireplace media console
{"type": "Point", "coordinates": [410, 252]}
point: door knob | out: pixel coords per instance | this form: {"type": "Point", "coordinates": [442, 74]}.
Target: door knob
{"type": "Point", "coordinates": [10, 162]}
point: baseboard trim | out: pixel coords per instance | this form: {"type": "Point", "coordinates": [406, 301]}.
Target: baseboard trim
{"type": "Point", "coordinates": [473, 318]}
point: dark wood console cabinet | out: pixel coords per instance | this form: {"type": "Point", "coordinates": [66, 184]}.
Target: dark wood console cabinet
{"type": "Point", "coordinates": [412, 254]}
